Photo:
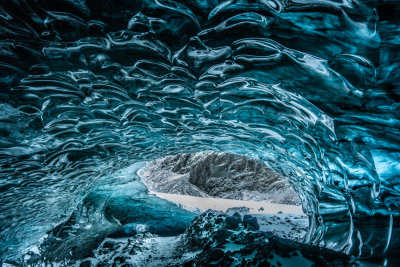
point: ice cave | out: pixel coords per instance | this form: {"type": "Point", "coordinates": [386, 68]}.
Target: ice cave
{"type": "Point", "coordinates": [199, 133]}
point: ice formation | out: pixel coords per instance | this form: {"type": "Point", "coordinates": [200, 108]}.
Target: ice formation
{"type": "Point", "coordinates": [105, 105]}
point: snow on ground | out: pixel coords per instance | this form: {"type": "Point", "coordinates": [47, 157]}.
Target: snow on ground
{"type": "Point", "coordinates": [286, 221]}
{"type": "Point", "coordinates": [223, 204]}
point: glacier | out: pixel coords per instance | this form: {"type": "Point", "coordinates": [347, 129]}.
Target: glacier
{"type": "Point", "coordinates": [110, 109]}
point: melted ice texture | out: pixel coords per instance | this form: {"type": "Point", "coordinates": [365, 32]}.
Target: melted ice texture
{"type": "Point", "coordinates": [91, 87]}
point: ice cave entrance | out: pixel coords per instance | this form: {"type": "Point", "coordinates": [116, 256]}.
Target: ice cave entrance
{"type": "Point", "coordinates": [229, 183]}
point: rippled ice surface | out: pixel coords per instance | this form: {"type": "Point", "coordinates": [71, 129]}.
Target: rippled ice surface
{"type": "Point", "coordinates": [91, 89]}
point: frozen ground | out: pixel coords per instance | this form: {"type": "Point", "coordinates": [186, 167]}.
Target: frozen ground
{"type": "Point", "coordinates": [286, 221]}
{"type": "Point", "coordinates": [223, 204]}
{"type": "Point", "coordinates": [146, 249]}
{"type": "Point", "coordinates": [143, 250]}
